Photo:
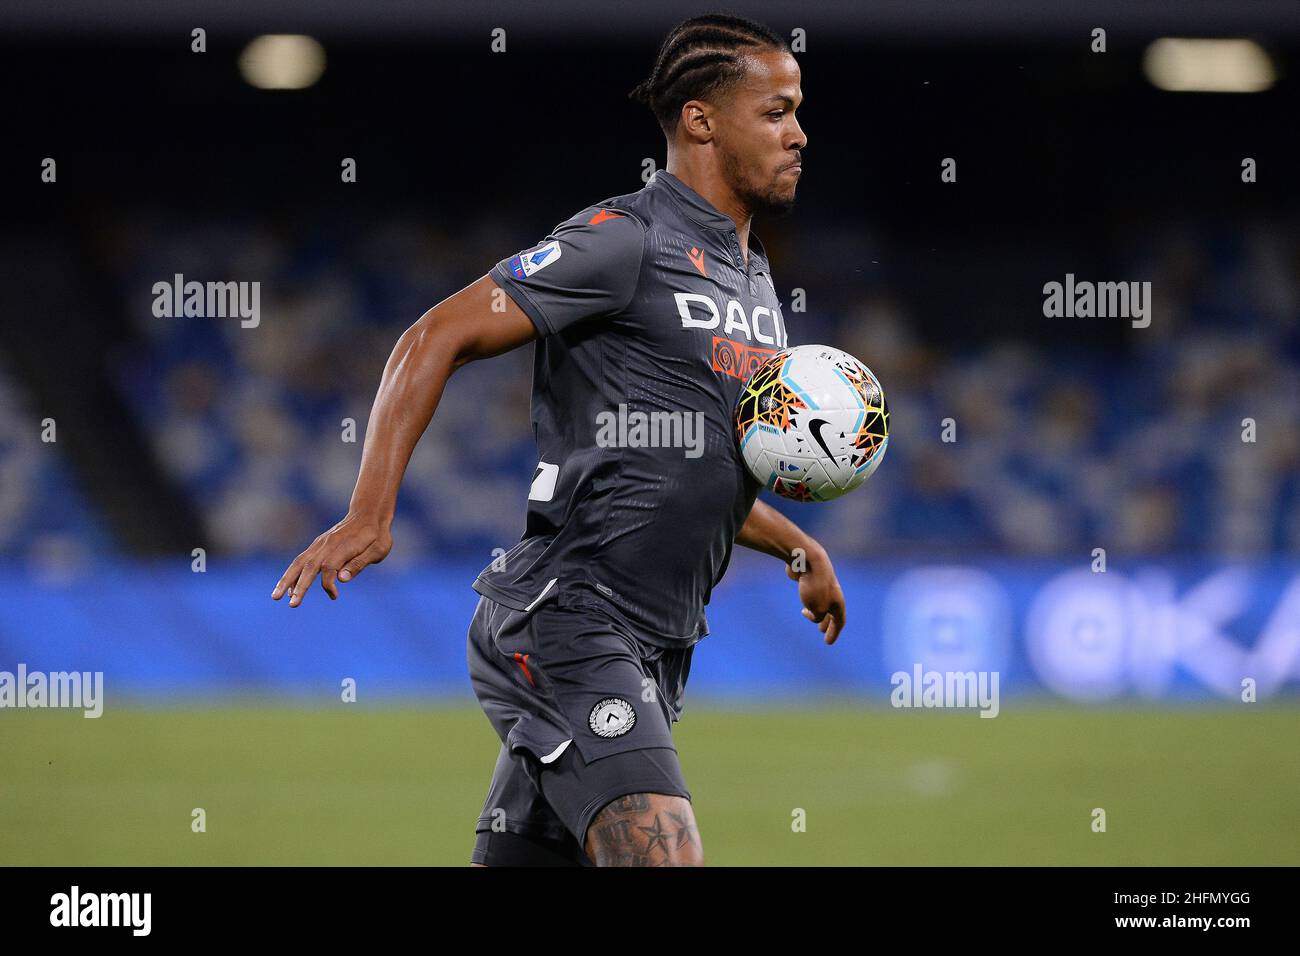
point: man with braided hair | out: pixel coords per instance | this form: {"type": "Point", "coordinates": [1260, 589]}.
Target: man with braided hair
{"type": "Point", "coordinates": [658, 304]}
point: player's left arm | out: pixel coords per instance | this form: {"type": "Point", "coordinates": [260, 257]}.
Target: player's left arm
{"type": "Point", "coordinates": [807, 562]}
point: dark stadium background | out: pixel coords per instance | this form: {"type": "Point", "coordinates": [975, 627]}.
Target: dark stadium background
{"type": "Point", "coordinates": [1122, 690]}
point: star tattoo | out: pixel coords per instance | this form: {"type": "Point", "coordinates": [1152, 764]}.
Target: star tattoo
{"type": "Point", "coordinates": [657, 835]}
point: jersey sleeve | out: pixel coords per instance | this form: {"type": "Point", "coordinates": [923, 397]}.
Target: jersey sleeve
{"type": "Point", "coordinates": [588, 266]}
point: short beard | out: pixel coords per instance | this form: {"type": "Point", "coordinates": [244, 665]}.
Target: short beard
{"type": "Point", "coordinates": [770, 206]}
{"type": "Point", "coordinates": [764, 205]}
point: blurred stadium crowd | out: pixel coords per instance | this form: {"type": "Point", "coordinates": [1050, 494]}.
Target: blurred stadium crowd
{"type": "Point", "coordinates": [1057, 450]}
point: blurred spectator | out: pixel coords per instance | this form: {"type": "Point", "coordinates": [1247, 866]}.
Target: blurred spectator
{"type": "Point", "coordinates": [1056, 450]}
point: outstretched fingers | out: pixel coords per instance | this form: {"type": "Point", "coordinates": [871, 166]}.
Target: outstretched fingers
{"type": "Point", "coordinates": [349, 569]}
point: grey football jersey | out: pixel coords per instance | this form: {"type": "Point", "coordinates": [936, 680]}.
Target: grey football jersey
{"type": "Point", "coordinates": [650, 323]}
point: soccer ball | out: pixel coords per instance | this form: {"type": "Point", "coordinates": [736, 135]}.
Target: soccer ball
{"type": "Point", "coordinates": [812, 423]}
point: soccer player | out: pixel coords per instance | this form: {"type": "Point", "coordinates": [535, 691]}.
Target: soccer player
{"type": "Point", "coordinates": [658, 304]}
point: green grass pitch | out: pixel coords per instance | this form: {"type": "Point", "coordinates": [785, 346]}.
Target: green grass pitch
{"type": "Point", "coordinates": [404, 784]}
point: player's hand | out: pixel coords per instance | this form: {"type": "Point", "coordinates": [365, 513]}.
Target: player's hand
{"type": "Point", "coordinates": [820, 594]}
{"type": "Point", "coordinates": [338, 555]}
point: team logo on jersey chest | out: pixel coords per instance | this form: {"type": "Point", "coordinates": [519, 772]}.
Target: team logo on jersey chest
{"type": "Point", "coordinates": [611, 717]}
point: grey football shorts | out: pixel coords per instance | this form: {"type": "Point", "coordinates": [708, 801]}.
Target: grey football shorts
{"type": "Point", "coordinates": [584, 710]}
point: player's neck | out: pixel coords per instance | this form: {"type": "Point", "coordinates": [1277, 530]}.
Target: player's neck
{"type": "Point", "coordinates": [710, 185]}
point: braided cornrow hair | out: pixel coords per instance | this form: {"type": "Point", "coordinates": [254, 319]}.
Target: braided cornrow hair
{"type": "Point", "coordinates": [700, 57]}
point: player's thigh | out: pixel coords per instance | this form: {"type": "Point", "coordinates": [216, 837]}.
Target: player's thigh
{"type": "Point", "coordinates": [595, 729]}
{"type": "Point", "coordinates": [645, 829]}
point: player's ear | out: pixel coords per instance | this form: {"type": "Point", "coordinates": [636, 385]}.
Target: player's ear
{"type": "Point", "coordinates": [696, 121]}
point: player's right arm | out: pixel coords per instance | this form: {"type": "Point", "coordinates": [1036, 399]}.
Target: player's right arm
{"type": "Point", "coordinates": [587, 267]}
{"type": "Point", "coordinates": [477, 322]}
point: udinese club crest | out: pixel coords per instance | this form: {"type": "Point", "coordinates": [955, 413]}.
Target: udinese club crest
{"type": "Point", "coordinates": [611, 717]}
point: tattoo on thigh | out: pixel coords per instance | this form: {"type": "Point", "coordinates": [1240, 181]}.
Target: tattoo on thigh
{"type": "Point", "coordinates": [656, 836]}
{"type": "Point", "coordinates": [629, 832]}
{"type": "Point", "coordinates": [632, 803]}
{"type": "Point", "coordinates": [687, 832]}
